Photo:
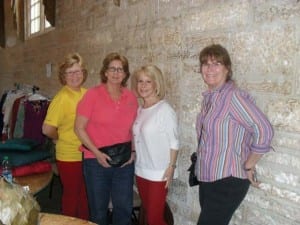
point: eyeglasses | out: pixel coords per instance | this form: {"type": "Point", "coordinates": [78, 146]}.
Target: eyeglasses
{"type": "Point", "coordinates": [76, 72]}
{"type": "Point", "coordinates": [115, 69]}
{"type": "Point", "coordinates": [213, 66]}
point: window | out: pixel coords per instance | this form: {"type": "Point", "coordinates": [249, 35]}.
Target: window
{"type": "Point", "coordinates": [36, 21]}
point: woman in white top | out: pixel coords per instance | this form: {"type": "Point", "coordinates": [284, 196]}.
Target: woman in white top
{"type": "Point", "coordinates": [155, 134]}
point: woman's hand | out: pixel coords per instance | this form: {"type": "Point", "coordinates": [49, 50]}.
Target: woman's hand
{"type": "Point", "coordinates": [168, 175]}
{"type": "Point", "coordinates": [102, 159]}
{"type": "Point", "coordinates": [131, 160]}
{"type": "Point", "coordinates": [251, 174]}
{"type": "Point", "coordinates": [249, 167]}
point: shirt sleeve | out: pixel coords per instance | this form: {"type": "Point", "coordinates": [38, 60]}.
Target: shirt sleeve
{"type": "Point", "coordinates": [245, 111]}
{"type": "Point", "coordinates": [55, 111]}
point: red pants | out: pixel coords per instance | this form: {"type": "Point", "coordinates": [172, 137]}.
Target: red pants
{"type": "Point", "coordinates": [153, 195]}
{"type": "Point", "coordinates": [74, 198]}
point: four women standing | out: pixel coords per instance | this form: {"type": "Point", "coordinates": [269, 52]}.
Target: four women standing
{"type": "Point", "coordinates": [233, 135]}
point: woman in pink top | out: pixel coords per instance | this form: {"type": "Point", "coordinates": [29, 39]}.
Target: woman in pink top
{"type": "Point", "coordinates": [105, 116]}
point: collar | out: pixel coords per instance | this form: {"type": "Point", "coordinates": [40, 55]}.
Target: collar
{"type": "Point", "coordinates": [225, 87]}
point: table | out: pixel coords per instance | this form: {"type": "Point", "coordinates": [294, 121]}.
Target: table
{"type": "Point", "coordinates": [35, 182]}
{"type": "Point", "coordinates": [55, 219]}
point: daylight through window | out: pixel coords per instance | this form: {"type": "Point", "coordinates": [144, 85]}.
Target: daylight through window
{"type": "Point", "coordinates": [37, 21]}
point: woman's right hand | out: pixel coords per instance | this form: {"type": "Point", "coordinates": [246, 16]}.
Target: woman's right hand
{"type": "Point", "coordinates": [103, 159]}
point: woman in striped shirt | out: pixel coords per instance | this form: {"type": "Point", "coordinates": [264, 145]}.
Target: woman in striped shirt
{"type": "Point", "coordinates": [233, 135]}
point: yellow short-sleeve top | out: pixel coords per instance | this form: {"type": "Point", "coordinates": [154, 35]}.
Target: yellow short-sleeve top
{"type": "Point", "coordinates": [61, 114]}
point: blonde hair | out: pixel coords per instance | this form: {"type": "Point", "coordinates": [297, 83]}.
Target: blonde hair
{"type": "Point", "coordinates": [68, 62]}
{"type": "Point", "coordinates": [155, 74]}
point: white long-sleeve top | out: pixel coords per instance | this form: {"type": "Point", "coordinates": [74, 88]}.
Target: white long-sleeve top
{"type": "Point", "coordinates": [155, 133]}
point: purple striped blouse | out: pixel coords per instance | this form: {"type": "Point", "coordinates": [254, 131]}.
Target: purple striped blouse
{"type": "Point", "coordinates": [229, 127]}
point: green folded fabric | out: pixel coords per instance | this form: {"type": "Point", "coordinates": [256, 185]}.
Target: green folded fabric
{"type": "Point", "coordinates": [19, 144]}
{"type": "Point", "coordinates": [20, 158]}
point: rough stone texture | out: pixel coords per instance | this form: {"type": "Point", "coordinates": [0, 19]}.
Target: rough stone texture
{"type": "Point", "coordinates": [263, 38]}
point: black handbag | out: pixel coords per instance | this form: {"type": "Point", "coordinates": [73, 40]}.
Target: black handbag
{"type": "Point", "coordinates": [193, 181]}
{"type": "Point", "coordinates": [119, 153]}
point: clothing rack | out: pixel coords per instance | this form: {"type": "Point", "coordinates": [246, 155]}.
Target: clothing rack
{"type": "Point", "coordinates": [32, 91]}
{"type": "Point", "coordinates": [26, 87]}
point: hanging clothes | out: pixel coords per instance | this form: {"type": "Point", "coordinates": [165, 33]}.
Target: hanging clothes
{"type": "Point", "coordinates": [7, 108]}
{"type": "Point", "coordinates": [35, 112]}
{"type": "Point", "coordinates": [3, 97]}
{"type": "Point", "coordinates": [19, 125]}
{"type": "Point", "coordinates": [14, 114]}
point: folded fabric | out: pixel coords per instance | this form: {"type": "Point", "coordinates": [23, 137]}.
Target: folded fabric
{"type": "Point", "coordinates": [20, 158]}
{"type": "Point", "coordinates": [33, 168]}
{"type": "Point", "coordinates": [19, 144]}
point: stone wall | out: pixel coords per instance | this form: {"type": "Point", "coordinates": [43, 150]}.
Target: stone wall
{"type": "Point", "coordinates": [263, 39]}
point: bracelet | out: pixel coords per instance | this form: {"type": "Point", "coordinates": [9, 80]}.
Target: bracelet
{"type": "Point", "coordinates": [133, 151]}
{"type": "Point", "coordinates": [173, 166]}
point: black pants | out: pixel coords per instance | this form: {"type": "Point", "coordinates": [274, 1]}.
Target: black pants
{"type": "Point", "coordinates": [219, 200]}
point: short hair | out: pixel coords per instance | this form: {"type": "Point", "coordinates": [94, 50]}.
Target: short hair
{"type": "Point", "coordinates": [218, 53]}
{"type": "Point", "coordinates": [105, 64]}
{"type": "Point", "coordinates": [68, 62]}
{"type": "Point", "coordinates": [155, 74]}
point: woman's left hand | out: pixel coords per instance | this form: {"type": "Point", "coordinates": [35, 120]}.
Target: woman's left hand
{"type": "Point", "coordinates": [251, 174]}
{"type": "Point", "coordinates": [168, 176]}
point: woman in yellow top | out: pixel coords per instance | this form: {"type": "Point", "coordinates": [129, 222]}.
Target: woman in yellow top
{"type": "Point", "coordinates": [59, 126]}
